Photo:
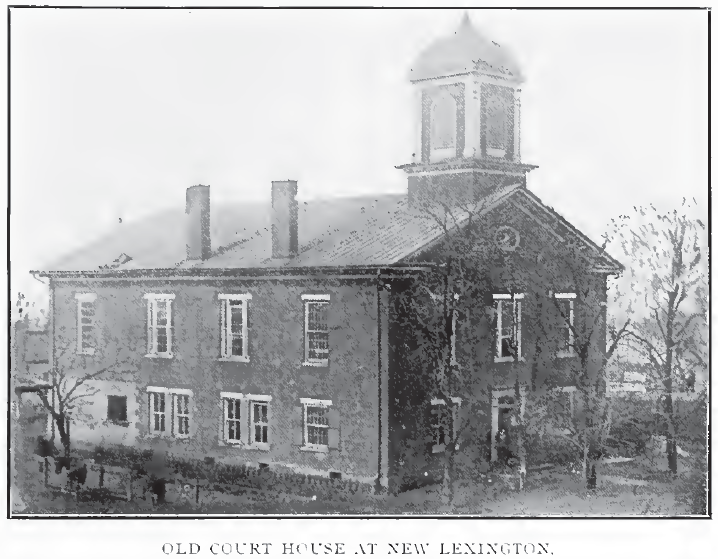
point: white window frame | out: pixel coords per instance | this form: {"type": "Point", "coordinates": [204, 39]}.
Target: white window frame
{"type": "Point", "coordinates": [240, 403]}
{"type": "Point", "coordinates": [170, 413]}
{"type": "Point", "coordinates": [570, 297]}
{"type": "Point", "coordinates": [153, 299]}
{"type": "Point", "coordinates": [308, 299]}
{"type": "Point", "coordinates": [313, 403]}
{"type": "Point", "coordinates": [518, 409]}
{"type": "Point", "coordinates": [515, 299]}
{"type": "Point", "coordinates": [225, 300]}
{"type": "Point", "coordinates": [261, 400]}
{"type": "Point", "coordinates": [453, 414]}
{"type": "Point", "coordinates": [176, 394]}
{"type": "Point", "coordinates": [81, 299]}
{"type": "Point", "coordinates": [152, 412]}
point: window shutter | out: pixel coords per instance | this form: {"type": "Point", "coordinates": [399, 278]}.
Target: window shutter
{"type": "Point", "coordinates": [298, 425]}
{"type": "Point", "coordinates": [222, 328]}
{"type": "Point", "coordinates": [223, 430]}
{"type": "Point", "coordinates": [333, 416]}
{"type": "Point", "coordinates": [247, 328]}
{"type": "Point", "coordinates": [149, 326]}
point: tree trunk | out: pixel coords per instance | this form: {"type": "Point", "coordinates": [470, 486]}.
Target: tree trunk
{"type": "Point", "coordinates": [60, 421]}
{"type": "Point", "coordinates": [591, 475]}
{"type": "Point", "coordinates": [671, 450]}
{"type": "Point", "coordinates": [671, 446]}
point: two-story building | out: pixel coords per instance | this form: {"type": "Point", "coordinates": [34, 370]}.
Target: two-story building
{"type": "Point", "coordinates": [297, 338]}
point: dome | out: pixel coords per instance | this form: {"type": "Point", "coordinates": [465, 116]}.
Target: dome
{"type": "Point", "coordinates": [464, 51]}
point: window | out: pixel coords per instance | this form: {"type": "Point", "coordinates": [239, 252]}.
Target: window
{"type": "Point", "coordinates": [320, 421]}
{"type": "Point", "coordinates": [563, 408]}
{"type": "Point", "coordinates": [259, 417]}
{"type": "Point", "coordinates": [232, 404]}
{"type": "Point", "coordinates": [86, 342]}
{"type": "Point", "coordinates": [508, 326]}
{"type": "Point", "coordinates": [507, 411]}
{"type": "Point", "coordinates": [158, 413]}
{"type": "Point", "coordinates": [498, 109]}
{"type": "Point", "coordinates": [234, 316]}
{"type": "Point", "coordinates": [442, 422]}
{"type": "Point", "coordinates": [565, 303]}
{"type": "Point", "coordinates": [247, 419]}
{"type": "Point", "coordinates": [159, 325]}
{"type": "Point", "coordinates": [316, 330]}
{"type": "Point", "coordinates": [175, 421]}
{"type": "Point", "coordinates": [181, 403]}
{"type": "Point", "coordinates": [443, 122]}
{"type": "Point", "coordinates": [317, 426]}
{"type": "Point", "coordinates": [117, 409]}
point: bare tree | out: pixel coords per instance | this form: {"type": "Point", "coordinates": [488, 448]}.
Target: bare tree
{"type": "Point", "coordinates": [666, 287]}
{"type": "Point", "coordinates": [68, 390]}
{"type": "Point", "coordinates": [434, 307]}
{"type": "Point", "coordinates": [581, 329]}
{"type": "Point", "coordinates": [468, 262]}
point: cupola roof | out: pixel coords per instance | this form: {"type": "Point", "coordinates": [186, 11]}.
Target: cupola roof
{"type": "Point", "coordinates": [463, 52]}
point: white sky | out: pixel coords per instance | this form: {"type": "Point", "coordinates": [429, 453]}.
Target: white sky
{"type": "Point", "coordinates": [116, 112]}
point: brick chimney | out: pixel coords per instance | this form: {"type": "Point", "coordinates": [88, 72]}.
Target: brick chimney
{"type": "Point", "coordinates": [199, 246]}
{"type": "Point", "coordinates": [285, 211]}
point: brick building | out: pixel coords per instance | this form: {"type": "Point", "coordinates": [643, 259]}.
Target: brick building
{"type": "Point", "coordinates": [292, 337]}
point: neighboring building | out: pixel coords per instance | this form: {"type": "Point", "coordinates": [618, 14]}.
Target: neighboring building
{"type": "Point", "coordinates": [289, 342]}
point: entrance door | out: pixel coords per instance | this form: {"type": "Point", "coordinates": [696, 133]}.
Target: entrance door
{"type": "Point", "coordinates": [502, 424]}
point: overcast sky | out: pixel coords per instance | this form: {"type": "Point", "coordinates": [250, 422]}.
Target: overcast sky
{"type": "Point", "coordinates": [116, 112]}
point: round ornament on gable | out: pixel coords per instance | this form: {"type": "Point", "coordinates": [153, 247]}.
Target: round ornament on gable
{"type": "Point", "coordinates": [507, 238]}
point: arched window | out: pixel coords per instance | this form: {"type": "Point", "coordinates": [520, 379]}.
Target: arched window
{"type": "Point", "coordinates": [443, 122]}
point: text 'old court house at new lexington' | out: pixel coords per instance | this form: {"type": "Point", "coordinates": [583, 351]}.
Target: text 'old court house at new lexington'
{"type": "Point", "coordinates": [295, 337]}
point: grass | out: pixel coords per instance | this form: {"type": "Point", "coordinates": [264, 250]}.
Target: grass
{"type": "Point", "coordinates": [636, 488]}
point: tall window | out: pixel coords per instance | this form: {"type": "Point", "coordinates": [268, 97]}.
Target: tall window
{"type": "Point", "coordinates": [498, 109]}
{"type": "Point", "coordinates": [234, 338]}
{"type": "Point", "coordinates": [320, 421]}
{"type": "Point", "coordinates": [508, 326]}
{"type": "Point", "coordinates": [158, 413]}
{"type": "Point", "coordinates": [159, 325]}
{"type": "Point", "coordinates": [565, 304]}
{"type": "Point", "coordinates": [86, 342]}
{"type": "Point", "coordinates": [247, 419]}
{"type": "Point", "coordinates": [260, 422]}
{"type": "Point", "coordinates": [317, 426]}
{"type": "Point", "coordinates": [442, 422]}
{"type": "Point", "coordinates": [232, 404]}
{"type": "Point", "coordinates": [316, 330]}
{"type": "Point", "coordinates": [443, 122]}
{"type": "Point", "coordinates": [170, 411]}
{"type": "Point", "coordinates": [182, 414]}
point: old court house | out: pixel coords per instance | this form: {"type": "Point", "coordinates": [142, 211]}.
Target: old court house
{"type": "Point", "coordinates": [282, 337]}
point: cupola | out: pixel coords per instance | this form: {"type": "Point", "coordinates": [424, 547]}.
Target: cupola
{"type": "Point", "coordinates": [470, 88]}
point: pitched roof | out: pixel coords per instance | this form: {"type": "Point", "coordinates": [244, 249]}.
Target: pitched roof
{"type": "Point", "coordinates": [340, 232]}
{"type": "Point", "coordinates": [382, 233]}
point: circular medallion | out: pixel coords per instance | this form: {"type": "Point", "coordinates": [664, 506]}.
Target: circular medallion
{"type": "Point", "coordinates": [507, 238]}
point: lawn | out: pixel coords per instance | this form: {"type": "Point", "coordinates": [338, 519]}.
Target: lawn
{"type": "Point", "coordinates": [624, 489]}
